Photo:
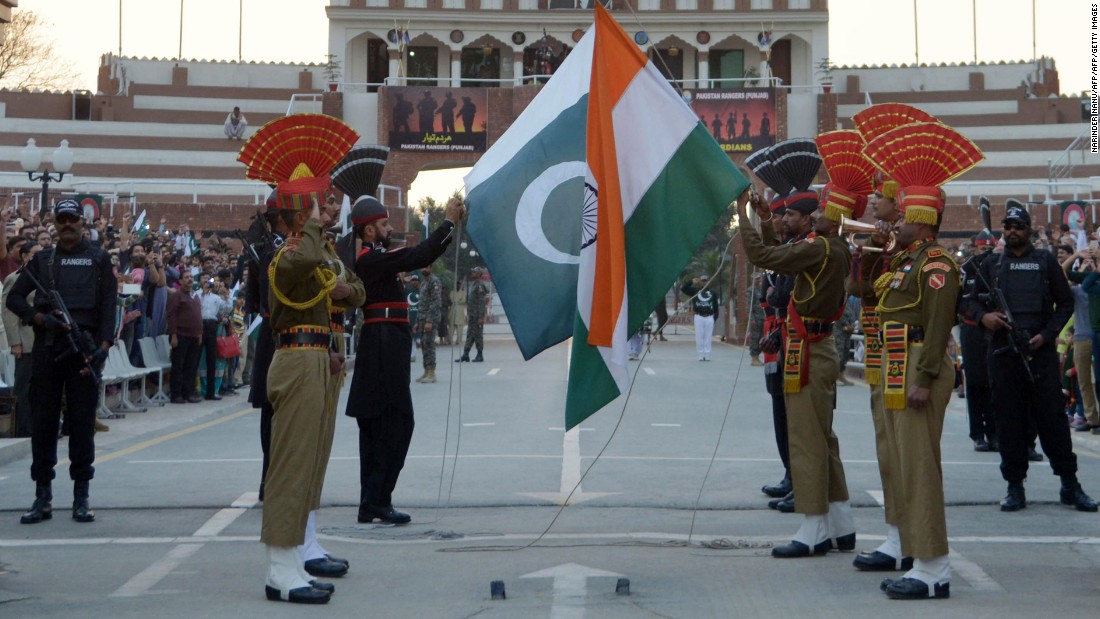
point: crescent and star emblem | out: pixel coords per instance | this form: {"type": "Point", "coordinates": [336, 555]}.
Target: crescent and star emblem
{"type": "Point", "coordinates": [533, 201]}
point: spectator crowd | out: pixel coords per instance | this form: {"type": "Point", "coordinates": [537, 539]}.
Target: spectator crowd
{"type": "Point", "coordinates": [183, 284]}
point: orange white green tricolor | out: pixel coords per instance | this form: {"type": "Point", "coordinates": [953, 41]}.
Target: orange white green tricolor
{"type": "Point", "coordinates": [566, 264]}
{"type": "Point", "coordinates": [661, 182]}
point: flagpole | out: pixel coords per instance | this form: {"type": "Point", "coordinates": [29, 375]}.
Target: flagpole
{"type": "Point", "coordinates": [916, 37]}
{"type": "Point", "coordinates": [179, 55]}
{"type": "Point", "coordinates": [119, 28]}
{"type": "Point", "coordinates": [240, 31]}
{"type": "Point", "coordinates": [974, 20]}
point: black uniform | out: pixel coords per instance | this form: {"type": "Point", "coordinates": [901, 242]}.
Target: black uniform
{"type": "Point", "coordinates": [777, 299]}
{"type": "Point", "coordinates": [1038, 294]}
{"type": "Point", "coordinates": [256, 302]}
{"type": "Point", "coordinates": [379, 398]}
{"type": "Point", "coordinates": [975, 350]}
{"type": "Point", "coordinates": [83, 277]}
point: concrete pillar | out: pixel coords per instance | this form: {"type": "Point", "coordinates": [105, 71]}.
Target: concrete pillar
{"type": "Point", "coordinates": [394, 57]}
{"type": "Point", "coordinates": [456, 68]}
{"type": "Point", "coordinates": [517, 67]}
{"type": "Point", "coordinates": [704, 70]}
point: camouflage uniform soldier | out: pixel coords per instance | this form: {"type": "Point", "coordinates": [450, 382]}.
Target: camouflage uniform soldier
{"type": "Point", "coordinates": [475, 316]}
{"type": "Point", "coordinates": [430, 317]}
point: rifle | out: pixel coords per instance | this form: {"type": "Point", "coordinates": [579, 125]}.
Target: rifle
{"type": "Point", "coordinates": [1019, 340]}
{"type": "Point", "coordinates": [80, 342]}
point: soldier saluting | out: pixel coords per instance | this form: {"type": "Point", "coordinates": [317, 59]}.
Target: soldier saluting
{"type": "Point", "coordinates": [820, 264]}
{"type": "Point", "coordinates": [380, 399]}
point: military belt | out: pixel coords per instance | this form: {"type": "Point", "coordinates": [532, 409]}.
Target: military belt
{"type": "Point", "coordinates": [817, 327]}
{"type": "Point", "coordinates": [386, 312]}
{"type": "Point", "coordinates": [915, 335]}
{"type": "Point", "coordinates": [304, 337]}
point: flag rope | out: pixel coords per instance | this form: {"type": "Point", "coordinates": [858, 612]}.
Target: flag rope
{"type": "Point", "coordinates": [720, 543]}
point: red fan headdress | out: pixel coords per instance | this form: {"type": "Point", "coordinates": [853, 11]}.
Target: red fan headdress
{"type": "Point", "coordinates": [851, 174]}
{"type": "Point", "coordinates": [295, 153]}
{"type": "Point", "coordinates": [921, 157]}
{"type": "Point", "coordinates": [878, 119]}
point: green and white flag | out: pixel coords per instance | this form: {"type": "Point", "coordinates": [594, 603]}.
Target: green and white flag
{"type": "Point", "coordinates": [590, 205]}
{"type": "Point", "coordinates": [141, 227]}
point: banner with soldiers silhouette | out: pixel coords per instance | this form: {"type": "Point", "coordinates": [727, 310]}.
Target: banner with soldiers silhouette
{"type": "Point", "coordinates": [742, 121]}
{"type": "Point", "coordinates": [434, 119]}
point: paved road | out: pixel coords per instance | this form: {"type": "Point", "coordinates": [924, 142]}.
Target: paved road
{"type": "Point", "coordinates": [490, 465]}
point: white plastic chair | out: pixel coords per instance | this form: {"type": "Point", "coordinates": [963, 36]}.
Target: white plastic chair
{"type": "Point", "coordinates": [151, 356]}
{"type": "Point", "coordinates": [164, 347]}
{"type": "Point", "coordinates": [9, 368]}
{"type": "Point", "coordinates": [109, 376]}
{"type": "Point", "coordinates": [116, 358]}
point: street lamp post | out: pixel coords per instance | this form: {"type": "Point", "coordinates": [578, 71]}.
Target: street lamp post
{"type": "Point", "coordinates": [31, 157]}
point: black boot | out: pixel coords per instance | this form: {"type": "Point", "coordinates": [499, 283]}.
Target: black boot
{"type": "Point", "coordinates": [779, 490]}
{"type": "Point", "coordinates": [1072, 494]}
{"type": "Point", "coordinates": [1015, 500]}
{"type": "Point", "coordinates": [465, 357]}
{"type": "Point", "coordinates": [81, 511]}
{"type": "Point", "coordinates": [478, 358]}
{"type": "Point", "coordinates": [42, 509]}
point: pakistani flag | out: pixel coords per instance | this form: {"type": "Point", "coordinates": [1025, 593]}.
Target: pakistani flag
{"type": "Point", "coordinates": [590, 205]}
{"type": "Point", "coordinates": [141, 227]}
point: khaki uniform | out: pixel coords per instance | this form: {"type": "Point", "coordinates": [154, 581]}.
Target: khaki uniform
{"type": "Point", "coordinates": [357, 298]}
{"type": "Point", "coordinates": [871, 266]}
{"type": "Point", "coordinates": [919, 292]}
{"type": "Point", "coordinates": [820, 265]}
{"type": "Point", "coordinates": [301, 388]}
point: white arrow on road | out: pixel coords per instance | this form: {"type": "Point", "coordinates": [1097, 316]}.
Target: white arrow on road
{"type": "Point", "coordinates": [570, 474]}
{"type": "Point", "coordinates": [570, 581]}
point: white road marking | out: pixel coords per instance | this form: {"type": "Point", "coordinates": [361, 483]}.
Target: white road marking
{"type": "Point", "coordinates": [570, 588]}
{"type": "Point", "coordinates": [493, 372]}
{"type": "Point", "coordinates": [248, 499]}
{"type": "Point", "coordinates": [878, 496]}
{"type": "Point", "coordinates": [665, 425]}
{"type": "Point", "coordinates": [570, 492]}
{"type": "Point", "coordinates": [643, 535]}
{"type": "Point", "coordinates": [219, 521]}
{"type": "Point", "coordinates": [561, 429]}
{"type": "Point", "coordinates": [147, 579]}
{"type": "Point", "coordinates": [649, 371]}
{"type": "Point", "coordinates": [973, 573]}
{"type": "Point", "coordinates": [479, 423]}
{"type": "Point", "coordinates": [571, 462]}
{"type": "Point", "coordinates": [537, 456]}
{"type": "Point", "coordinates": [196, 461]}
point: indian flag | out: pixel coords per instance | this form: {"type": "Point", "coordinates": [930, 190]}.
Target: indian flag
{"type": "Point", "coordinates": [654, 183]}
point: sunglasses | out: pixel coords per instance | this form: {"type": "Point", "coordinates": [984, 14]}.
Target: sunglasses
{"type": "Point", "coordinates": [1015, 226]}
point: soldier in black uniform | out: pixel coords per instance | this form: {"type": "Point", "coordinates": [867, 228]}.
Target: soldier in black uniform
{"type": "Point", "coordinates": [81, 274]}
{"type": "Point", "coordinates": [1040, 300]}
{"type": "Point", "coordinates": [380, 399]}
{"type": "Point", "coordinates": [265, 236]}
{"type": "Point", "coordinates": [975, 349]}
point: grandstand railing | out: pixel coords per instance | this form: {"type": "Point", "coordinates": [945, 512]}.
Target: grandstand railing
{"type": "Point", "coordinates": [1062, 167]}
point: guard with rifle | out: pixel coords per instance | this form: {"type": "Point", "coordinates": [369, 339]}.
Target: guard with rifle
{"type": "Point", "coordinates": [1022, 301]}
{"type": "Point", "coordinates": [73, 315]}
{"type": "Point", "coordinates": [975, 349]}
